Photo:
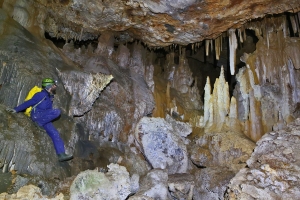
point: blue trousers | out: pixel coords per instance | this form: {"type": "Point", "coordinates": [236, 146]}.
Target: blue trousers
{"type": "Point", "coordinates": [44, 119]}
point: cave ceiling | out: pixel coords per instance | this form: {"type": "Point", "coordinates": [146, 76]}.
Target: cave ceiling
{"type": "Point", "coordinates": [156, 23]}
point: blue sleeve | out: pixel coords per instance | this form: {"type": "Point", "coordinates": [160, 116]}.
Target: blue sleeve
{"type": "Point", "coordinates": [34, 100]}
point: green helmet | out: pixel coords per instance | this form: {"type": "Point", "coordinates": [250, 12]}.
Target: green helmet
{"type": "Point", "coordinates": [47, 81]}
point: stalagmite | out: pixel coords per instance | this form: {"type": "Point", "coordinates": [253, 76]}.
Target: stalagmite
{"type": "Point", "coordinates": [233, 108]}
{"type": "Point", "coordinates": [221, 99]}
{"type": "Point", "coordinates": [232, 47]}
{"type": "Point", "coordinates": [207, 97]}
{"type": "Point", "coordinates": [255, 118]}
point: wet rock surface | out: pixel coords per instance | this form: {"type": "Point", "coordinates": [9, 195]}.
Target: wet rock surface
{"type": "Point", "coordinates": [273, 168]}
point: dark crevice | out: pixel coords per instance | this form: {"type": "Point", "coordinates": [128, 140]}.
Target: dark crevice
{"type": "Point", "coordinates": [60, 42]}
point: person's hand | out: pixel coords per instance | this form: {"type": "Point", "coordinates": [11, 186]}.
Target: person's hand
{"type": "Point", "coordinates": [11, 110]}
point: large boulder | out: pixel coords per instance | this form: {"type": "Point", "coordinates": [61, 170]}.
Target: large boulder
{"type": "Point", "coordinates": [91, 184]}
{"type": "Point", "coordinates": [163, 144]}
{"type": "Point", "coordinates": [231, 149]}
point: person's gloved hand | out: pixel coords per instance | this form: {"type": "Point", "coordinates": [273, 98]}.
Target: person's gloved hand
{"type": "Point", "coordinates": [11, 110]}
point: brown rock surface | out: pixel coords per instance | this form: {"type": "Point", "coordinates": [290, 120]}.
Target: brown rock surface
{"type": "Point", "coordinates": [155, 22]}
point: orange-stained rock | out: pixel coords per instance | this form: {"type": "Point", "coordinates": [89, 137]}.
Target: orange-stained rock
{"type": "Point", "coordinates": [156, 23]}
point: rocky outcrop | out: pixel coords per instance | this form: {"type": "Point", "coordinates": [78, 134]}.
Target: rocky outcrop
{"type": "Point", "coordinates": [211, 182]}
{"type": "Point", "coordinates": [153, 186]}
{"type": "Point", "coordinates": [84, 89]}
{"type": "Point", "coordinates": [224, 149]}
{"type": "Point", "coordinates": [273, 169]}
{"type": "Point", "coordinates": [163, 143]}
{"type": "Point", "coordinates": [181, 186]}
{"type": "Point", "coordinates": [30, 192]}
{"type": "Point", "coordinates": [91, 184]}
{"type": "Point", "coordinates": [26, 149]}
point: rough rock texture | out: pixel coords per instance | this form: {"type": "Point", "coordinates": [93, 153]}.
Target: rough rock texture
{"type": "Point", "coordinates": [30, 192]}
{"type": "Point", "coordinates": [26, 149]}
{"type": "Point", "coordinates": [220, 156]}
{"type": "Point", "coordinates": [125, 100]}
{"type": "Point", "coordinates": [157, 23]}
{"type": "Point", "coordinates": [91, 184]}
{"type": "Point", "coordinates": [264, 102]}
{"type": "Point", "coordinates": [273, 168]}
{"type": "Point", "coordinates": [224, 149]}
{"type": "Point", "coordinates": [176, 90]}
{"type": "Point", "coordinates": [181, 186]}
{"type": "Point", "coordinates": [84, 89]}
{"type": "Point", "coordinates": [153, 186]}
{"type": "Point", "coordinates": [162, 144]}
{"type": "Point", "coordinates": [211, 182]}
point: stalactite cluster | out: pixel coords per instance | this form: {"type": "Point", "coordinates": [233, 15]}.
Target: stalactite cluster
{"type": "Point", "coordinates": [257, 93]}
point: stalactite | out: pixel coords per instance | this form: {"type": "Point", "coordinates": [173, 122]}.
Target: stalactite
{"type": "Point", "coordinates": [244, 34]}
{"type": "Point", "coordinates": [207, 47]}
{"type": "Point", "coordinates": [284, 28]}
{"type": "Point", "coordinates": [293, 22]}
{"type": "Point", "coordinates": [81, 34]}
{"type": "Point", "coordinates": [218, 47]}
{"type": "Point", "coordinates": [293, 82]}
{"type": "Point", "coordinates": [298, 17]}
{"type": "Point", "coordinates": [297, 23]}
{"type": "Point", "coordinates": [240, 35]}
{"type": "Point", "coordinates": [180, 50]}
{"type": "Point", "coordinates": [232, 47]}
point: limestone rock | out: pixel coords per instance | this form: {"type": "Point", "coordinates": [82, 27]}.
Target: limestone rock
{"type": "Point", "coordinates": [84, 89]}
{"type": "Point", "coordinates": [91, 184]}
{"type": "Point", "coordinates": [181, 186]}
{"type": "Point", "coordinates": [273, 168]}
{"type": "Point", "coordinates": [29, 192]}
{"type": "Point", "coordinates": [34, 155]}
{"type": "Point", "coordinates": [162, 144]}
{"type": "Point", "coordinates": [153, 186]}
{"type": "Point", "coordinates": [211, 182]}
{"type": "Point", "coordinates": [229, 149]}
{"type": "Point", "coordinates": [156, 23]}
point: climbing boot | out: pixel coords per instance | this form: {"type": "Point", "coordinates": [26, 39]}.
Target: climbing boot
{"type": "Point", "coordinates": [64, 157]}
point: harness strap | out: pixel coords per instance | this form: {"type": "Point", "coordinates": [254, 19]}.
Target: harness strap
{"type": "Point", "coordinates": [33, 108]}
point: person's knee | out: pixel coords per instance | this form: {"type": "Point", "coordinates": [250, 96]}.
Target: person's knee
{"type": "Point", "coordinates": [56, 112]}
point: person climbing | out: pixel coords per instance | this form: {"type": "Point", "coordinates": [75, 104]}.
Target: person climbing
{"type": "Point", "coordinates": [43, 114]}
